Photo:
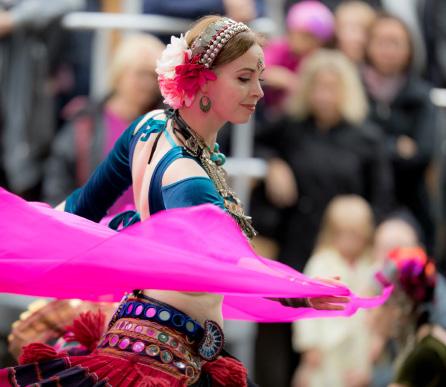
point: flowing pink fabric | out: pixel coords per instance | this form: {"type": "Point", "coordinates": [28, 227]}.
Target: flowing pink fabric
{"type": "Point", "coordinates": [48, 253]}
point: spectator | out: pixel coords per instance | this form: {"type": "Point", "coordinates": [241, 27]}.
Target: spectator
{"type": "Point", "coordinates": [335, 350]}
{"type": "Point", "coordinates": [27, 35]}
{"type": "Point", "coordinates": [400, 104]}
{"type": "Point", "coordinates": [309, 26]}
{"type": "Point", "coordinates": [353, 20]}
{"type": "Point", "coordinates": [408, 12]}
{"type": "Point", "coordinates": [398, 230]}
{"type": "Point", "coordinates": [90, 134]}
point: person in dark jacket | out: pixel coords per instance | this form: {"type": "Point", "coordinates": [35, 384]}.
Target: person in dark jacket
{"type": "Point", "coordinates": [401, 105]}
{"type": "Point", "coordinates": [322, 149]}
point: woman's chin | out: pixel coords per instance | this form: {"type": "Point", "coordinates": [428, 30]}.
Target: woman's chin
{"type": "Point", "coordinates": [241, 119]}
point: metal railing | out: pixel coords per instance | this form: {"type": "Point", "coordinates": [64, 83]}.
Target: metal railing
{"type": "Point", "coordinates": [438, 97]}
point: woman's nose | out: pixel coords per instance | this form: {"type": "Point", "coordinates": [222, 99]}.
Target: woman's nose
{"type": "Point", "coordinates": [258, 91]}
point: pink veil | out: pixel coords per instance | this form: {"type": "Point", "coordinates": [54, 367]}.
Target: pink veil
{"type": "Point", "coordinates": [48, 253]}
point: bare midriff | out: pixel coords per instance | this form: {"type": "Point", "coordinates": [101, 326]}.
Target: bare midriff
{"type": "Point", "coordinates": [199, 306]}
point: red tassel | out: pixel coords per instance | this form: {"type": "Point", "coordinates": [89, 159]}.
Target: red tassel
{"type": "Point", "coordinates": [87, 329]}
{"type": "Point", "coordinates": [227, 372]}
{"type": "Point", "coordinates": [36, 352]}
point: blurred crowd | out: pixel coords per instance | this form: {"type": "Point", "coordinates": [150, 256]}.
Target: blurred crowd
{"type": "Point", "coordinates": [352, 142]}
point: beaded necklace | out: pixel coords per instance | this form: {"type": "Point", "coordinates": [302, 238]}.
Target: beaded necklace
{"type": "Point", "coordinates": [212, 162]}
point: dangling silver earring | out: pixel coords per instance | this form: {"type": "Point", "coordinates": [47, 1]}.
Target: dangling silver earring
{"type": "Point", "coordinates": [205, 103]}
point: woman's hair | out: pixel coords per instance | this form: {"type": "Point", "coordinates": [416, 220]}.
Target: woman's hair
{"type": "Point", "coordinates": [382, 16]}
{"type": "Point", "coordinates": [354, 105]}
{"type": "Point", "coordinates": [234, 48]}
{"type": "Point", "coordinates": [345, 209]}
{"type": "Point", "coordinates": [128, 50]}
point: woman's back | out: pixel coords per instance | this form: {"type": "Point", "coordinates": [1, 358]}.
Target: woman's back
{"type": "Point", "coordinates": [157, 162]}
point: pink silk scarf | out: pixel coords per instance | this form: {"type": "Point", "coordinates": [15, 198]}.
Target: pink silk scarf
{"type": "Point", "coordinates": [44, 252]}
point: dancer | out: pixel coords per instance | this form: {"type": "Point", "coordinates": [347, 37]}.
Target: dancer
{"type": "Point", "coordinates": [161, 337]}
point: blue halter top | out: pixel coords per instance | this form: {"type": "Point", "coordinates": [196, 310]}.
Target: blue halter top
{"type": "Point", "coordinates": [113, 176]}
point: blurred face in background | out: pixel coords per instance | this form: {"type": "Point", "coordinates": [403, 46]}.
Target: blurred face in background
{"type": "Point", "coordinates": [326, 96]}
{"type": "Point", "coordinates": [350, 240]}
{"type": "Point", "coordinates": [352, 32]}
{"type": "Point", "coordinates": [348, 226]}
{"type": "Point", "coordinates": [138, 82]}
{"type": "Point", "coordinates": [391, 234]}
{"type": "Point", "coordinates": [303, 43]}
{"type": "Point", "coordinates": [389, 48]}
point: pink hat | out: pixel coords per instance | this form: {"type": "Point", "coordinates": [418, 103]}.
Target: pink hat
{"type": "Point", "coordinates": [313, 17]}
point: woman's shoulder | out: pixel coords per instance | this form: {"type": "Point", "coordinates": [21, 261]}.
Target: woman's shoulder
{"type": "Point", "coordinates": [181, 169]}
{"type": "Point", "coordinates": [416, 90]}
{"type": "Point", "coordinates": [159, 114]}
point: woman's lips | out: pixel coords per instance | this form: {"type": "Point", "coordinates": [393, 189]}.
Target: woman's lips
{"type": "Point", "coordinates": [250, 107]}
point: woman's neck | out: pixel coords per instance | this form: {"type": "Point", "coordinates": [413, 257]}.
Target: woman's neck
{"type": "Point", "coordinates": [123, 108]}
{"type": "Point", "coordinates": [206, 125]}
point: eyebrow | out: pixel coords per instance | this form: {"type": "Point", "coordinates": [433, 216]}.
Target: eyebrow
{"type": "Point", "coordinates": [250, 69]}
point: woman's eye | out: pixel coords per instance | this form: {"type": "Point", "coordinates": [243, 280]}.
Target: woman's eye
{"type": "Point", "coordinates": [244, 80]}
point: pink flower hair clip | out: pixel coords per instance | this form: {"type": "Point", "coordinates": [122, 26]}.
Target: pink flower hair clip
{"type": "Point", "coordinates": [182, 71]}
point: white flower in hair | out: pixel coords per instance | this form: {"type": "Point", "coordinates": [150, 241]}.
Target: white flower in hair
{"type": "Point", "coordinates": [173, 55]}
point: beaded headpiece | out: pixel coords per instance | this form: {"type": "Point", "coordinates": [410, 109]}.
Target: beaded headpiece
{"type": "Point", "coordinates": [214, 37]}
{"type": "Point", "coordinates": [182, 70]}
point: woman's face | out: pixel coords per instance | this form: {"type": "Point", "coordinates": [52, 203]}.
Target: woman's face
{"type": "Point", "coordinates": [303, 43]}
{"type": "Point", "coordinates": [326, 95]}
{"type": "Point", "coordinates": [237, 89]}
{"type": "Point", "coordinates": [350, 241]}
{"type": "Point", "coordinates": [389, 47]}
{"type": "Point", "coordinates": [138, 83]}
{"type": "Point", "coordinates": [351, 34]}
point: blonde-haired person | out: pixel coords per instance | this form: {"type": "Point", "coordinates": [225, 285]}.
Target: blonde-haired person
{"type": "Point", "coordinates": [335, 351]}
{"type": "Point", "coordinates": [345, 101]}
{"type": "Point", "coordinates": [94, 126]}
{"type": "Point", "coordinates": [353, 20]}
{"type": "Point", "coordinates": [321, 149]}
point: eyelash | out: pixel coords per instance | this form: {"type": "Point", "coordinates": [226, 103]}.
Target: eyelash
{"type": "Point", "coordinates": [245, 80]}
